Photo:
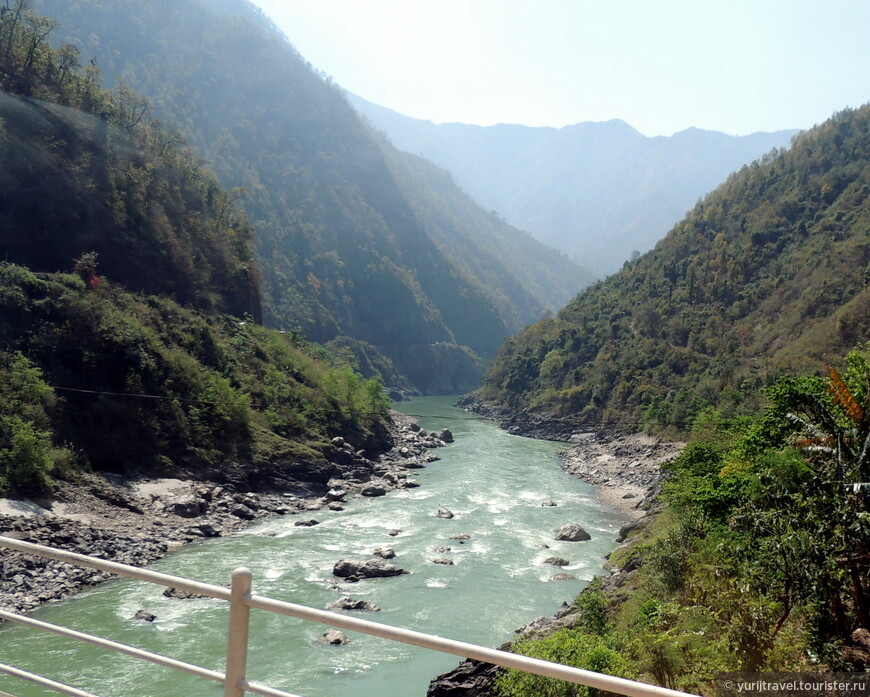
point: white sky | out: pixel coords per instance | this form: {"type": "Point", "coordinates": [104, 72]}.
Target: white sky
{"type": "Point", "coordinates": [736, 66]}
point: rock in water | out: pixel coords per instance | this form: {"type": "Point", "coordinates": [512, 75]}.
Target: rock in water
{"type": "Point", "coordinates": [445, 435]}
{"type": "Point", "coordinates": [444, 512]}
{"type": "Point", "coordinates": [572, 532]}
{"type": "Point", "coordinates": [180, 594]}
{"type": "Point", "coordinates": [369, 568]}
{"type": "Point", "coordinates": [334, 638]}
{"type": "Point", "coordinates": [347, 603]}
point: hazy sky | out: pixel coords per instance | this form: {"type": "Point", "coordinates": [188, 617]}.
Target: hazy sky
{"type": "Point", "coordinates": [736, 66]}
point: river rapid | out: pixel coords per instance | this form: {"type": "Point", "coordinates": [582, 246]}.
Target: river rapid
{"type": "Point", "coordinates": [492, 481]}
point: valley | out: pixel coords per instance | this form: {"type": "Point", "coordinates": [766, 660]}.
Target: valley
{"type": "Point", "coordinates": [223, 277]}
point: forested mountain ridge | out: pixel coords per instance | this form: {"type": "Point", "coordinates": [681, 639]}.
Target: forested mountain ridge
{"type": "Point", "coordinates": [345, 256]}
{"type": "Point", "coordinates": [598, 191]}
{"type": "Point", "coordinates": [117, 352]}
{"type": "Point", "coordinates": [766, 276]}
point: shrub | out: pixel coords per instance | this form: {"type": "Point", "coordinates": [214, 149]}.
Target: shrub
{"type": "Point", "coordinates": [569, 647]}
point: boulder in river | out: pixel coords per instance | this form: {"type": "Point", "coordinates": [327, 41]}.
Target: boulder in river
{"type": "Point", "coordinates": [145, 616]}
{"type": "Point", "coordinates": [563, 577]}
{"type": "Point", "coordinates": [444, 512]}
{"type": "Point", "coordinates": [369, 568]}
{"type": "Point", "coordinates": [345, 602]}
{"type": "Point", "coordinates": [180, 594]}
{"type": "Point", "coordinates": [334, 638]}
{"type": "Point", "coordinates": [385, 552]}
{"type": "Point", "coordinates": [556, 561]}
{"type": "Point", "coordinates": [572, 532]}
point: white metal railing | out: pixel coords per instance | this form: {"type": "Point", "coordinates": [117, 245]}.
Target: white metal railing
{"type": "Point", "coordinates": [242, 600]}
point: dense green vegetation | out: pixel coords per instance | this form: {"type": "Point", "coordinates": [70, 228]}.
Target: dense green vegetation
{"type": "Point", "coordinates": [761, 561]}
{"type": "Point", "coordinates": [346, 256]}
{"type": "Point", "coordinates": [766, 276]}
{"type": "Point", "coordinates": [138, 384]}
{"type": "Point", "coordinates": [131, 363]}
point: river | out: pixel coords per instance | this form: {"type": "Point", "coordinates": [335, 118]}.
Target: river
{"type": "Point", "coordinates": [493, 482]}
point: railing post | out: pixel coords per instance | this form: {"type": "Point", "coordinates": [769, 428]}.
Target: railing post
{"type": "Point", "coordinates": [237, 636]}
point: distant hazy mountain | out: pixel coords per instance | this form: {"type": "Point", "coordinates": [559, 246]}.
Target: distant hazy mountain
{"type": "Point", "coordinates": [350, 254]}
{"type": "Point", "coordinates": [598, 191]}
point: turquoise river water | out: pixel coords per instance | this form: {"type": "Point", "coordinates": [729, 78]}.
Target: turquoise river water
{"type": "Point", "coordinates": [493, 482]}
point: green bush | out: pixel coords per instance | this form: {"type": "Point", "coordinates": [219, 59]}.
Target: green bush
{"type": "Point", "coordinates": [569, 647]}
{"type": "Point", "coordinates": [25, 437]}
{"type": "Point", "coordinates": [26, 462]}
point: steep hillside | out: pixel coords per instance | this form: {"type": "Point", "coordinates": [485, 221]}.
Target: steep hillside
{"type": "Point", "coordinates": [598, 191]}
{"type": "Point", "coordinates": [131, 364]}
{"type": "Point", "coordinates": [105, 379]}
{"type": "Point", "coordinates": [344, 254]}
{"type": "Point", "coordinates": [522, 277]}
{"type": "Point", "coordinates": [767, 275]}
{"type": "Point", "coordinates": [72, 183]}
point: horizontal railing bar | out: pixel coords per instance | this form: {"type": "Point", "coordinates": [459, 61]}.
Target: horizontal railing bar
{"type": "Point", "coordinates": [112, 567]}
{"type": "Point", "coordinates": [115, 646]}
{"type": "Point", "coordinates": [44, 682]}
{"type": "Point", "coordinates": [505, 659]}
{"type": "Point", "coordinates": [500, 658]}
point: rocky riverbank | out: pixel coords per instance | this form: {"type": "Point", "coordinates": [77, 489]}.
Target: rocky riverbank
{"type": "Point", "coordinates": [625, 467]}
{"type": "Point", "coordinates": [138, 521]}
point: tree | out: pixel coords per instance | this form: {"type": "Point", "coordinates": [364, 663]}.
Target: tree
{"type": "Point", "coordinates": [86, 267]}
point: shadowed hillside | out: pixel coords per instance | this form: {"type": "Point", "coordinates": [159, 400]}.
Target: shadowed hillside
{"type": "Point", "coordinates": [127, 294]}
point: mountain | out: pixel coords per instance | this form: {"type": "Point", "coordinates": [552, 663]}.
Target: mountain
{"type": "Point", "coordinates": [767, 275]}
{"type": "Point", "coordinates": [347, 257]}
{"type": "Point", "coordinates": [598, 191]}
{"type": "Point", "coordinates": [127, 294]}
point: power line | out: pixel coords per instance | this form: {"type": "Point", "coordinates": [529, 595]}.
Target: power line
{"type": "Point", "coordinates": [187, 400]}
